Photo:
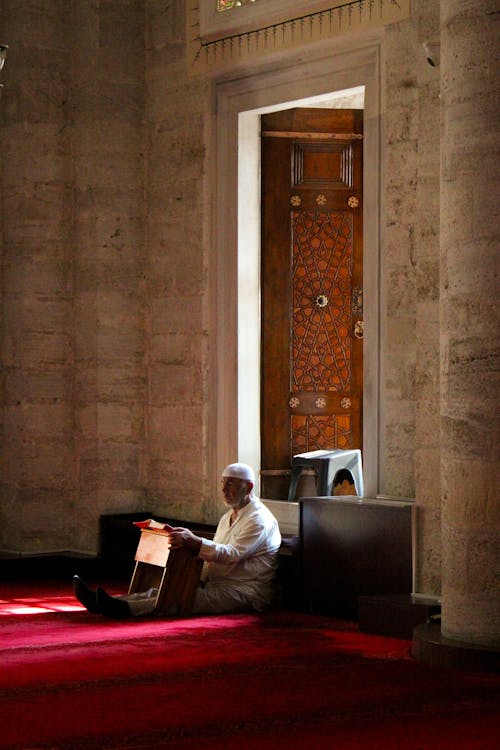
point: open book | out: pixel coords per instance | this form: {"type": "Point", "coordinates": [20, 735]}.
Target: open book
{"type": "Point", "coordinates": [153, 525]}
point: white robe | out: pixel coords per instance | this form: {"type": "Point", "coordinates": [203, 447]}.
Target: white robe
{"type": "Point", "coordinates": [240, 565]}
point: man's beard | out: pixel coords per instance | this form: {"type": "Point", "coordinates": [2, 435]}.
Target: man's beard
{"type": "Point", "coordinates": [235, 502]}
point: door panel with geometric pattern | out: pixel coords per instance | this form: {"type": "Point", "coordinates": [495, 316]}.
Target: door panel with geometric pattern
{"type": "Point", "coordinates": [312, 324]}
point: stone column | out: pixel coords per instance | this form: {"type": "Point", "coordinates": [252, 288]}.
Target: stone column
{"type": "Point", "coordinates": [36, 454]}
{"type": "Point", "coordinates": [469, 321]}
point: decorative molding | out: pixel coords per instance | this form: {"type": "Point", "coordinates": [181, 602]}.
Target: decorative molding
{"type": "Point", "coordinates": [235, 112]}
{"type": "Point", "coordinates": [216, 47]}
{"type": "Point", "coordinates": [216, 24]}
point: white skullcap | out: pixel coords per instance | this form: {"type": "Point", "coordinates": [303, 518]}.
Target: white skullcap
{"type": "Point", "coordinates": [240, 471]}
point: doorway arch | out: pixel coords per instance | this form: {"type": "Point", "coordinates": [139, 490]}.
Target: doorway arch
{"type": "Point", "coordinates": [234, 269]}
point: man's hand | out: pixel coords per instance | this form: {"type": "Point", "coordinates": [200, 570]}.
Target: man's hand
{"type": "Point", "coordinates": [180, 537]}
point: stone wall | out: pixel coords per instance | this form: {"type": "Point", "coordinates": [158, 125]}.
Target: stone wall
{"type": "Point", "coordinates": [410, 270]}
{"type": "Point", "coordinates": [72, 344]}
{"type": "Point", "coordinates": [37, 388]}
{"type": "Point", "coordinates": [106, 199]}
{"type": "Point", "coordinates": [177, 115]}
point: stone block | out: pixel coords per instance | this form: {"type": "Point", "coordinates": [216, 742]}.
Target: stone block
{"type": "Point", "coordinates": [171, 87]}
{"type": "Point", "coordinates": [476, 624]}
{"type": "Point", "coordinates": [117, 474]}
{"type": "Point", "coordinates": [110, 421]}
{"type": "Point", "coordinates": [173, 429]}
{"type": "Point", "coordinates": [40, 278]}
{"type": "Point", "coordinates": [167, 238]}
{"type": "Point", "coordinates": [398, 478]}
{"type": "Point", "coordinates": [427, 378]}
{"type": "Point", "coordinates": [40, 25]}
{"type": "Point", "coordinates": [158, 30]}
{"type": "Point", "coordinates": [33, 232]}
{"type": "Point", "coordinates": [120, 228]}
{"type": "Point", "coordinates": [85, 343]}
{"type": "Point", "coordinates": [37, 386]}
{"type": "Point", "coordinates": [484, 563]}
{"type": "Point", "coordinates": [475, 399]}
{"type": "Point", "coordinates": [465, 433]}
{"type": "Point", "coordinates": [484, 208]}
{"type": "Point", "coordinates": [120, 344]}
{"type": "Point", "coordinates": [176, 314]}
{"type": "Point", "coordinates": [402, 160]}
{"type": "Point", "coordinates": [48, 202]}
{"type": "Point", "coordinates": [37, 350]}
{"type": "Point", "coordinates": [175, 349]}
{"type": "Point", "coordinates": [428, 473]}
{"type": "Point", "coordinates": [456, 200]}
{"type": "Point", "coordinates": [427, 245]}
{"type": "Point", "coordinates": [117, 137]}
{"type": "Point", "coordinates": [41, 422]}
{"type": "Point", "coordinates": [471, 492]}
{"type": "Point", "coordinates": [11, 457]}
{"type": "Point", "coordinates": [178, 143]}
{"type": "Point", "coordinates": [400, 430]}
{"type": "Point", "coordinates": [175, 384]}
{"type": "Point", "coordinates": [468, 270]}
{"type": "Point", "coordinates": [190, 280]}
{"type": "Point", "coordinates": [456, 552]}
{"type": "Point", "coordinates": [121, 271]}
{"type": "Point", "coordinates": [428, 553]}
{"type": "Point", "coordinates": [119, 422]}
{"type": "Point", "coordinates": [401, 200]}
{"type": "Point", "coordinates": [401, 124]}
{"type": "Point", "coordinates": [117, 309]}
{"type": "Point", "coordinates": [122, 207]}
{"type": "Point", "coordinates": [50, 466]}
{"type": "Point", "coordinates": [427, 419]}
{"type": "Point", "coordinates": [176, 478]}
{"type": "Point", "coordinates": [107, 170]}
{"type": "Point", "coordinates": [399, 244]}
{"type": "Point", "coordinates": [120, 384]}
{"type": "Point", "coordinates": [121, 40]}
{"type": "Point", "coordinates": [37, 312]}
{"type": "Point", "coordinates": [43, 521]}
{"type": "Point", "coordinates": [401, 290]}
{"type": "Point", "coordinates": [401, 334]}
{"type": "Point", "coordinates": [51, 165]}
{"type": "Point", "coordinates": [427, 283]}
{"type": "Point", "coordinates": [159, 276]}
{"type": "Point", "coordinates": [428, 324]}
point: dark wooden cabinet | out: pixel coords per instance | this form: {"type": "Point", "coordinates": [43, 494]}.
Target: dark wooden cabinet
{"type": "Point", "coordinates": [352, 547]}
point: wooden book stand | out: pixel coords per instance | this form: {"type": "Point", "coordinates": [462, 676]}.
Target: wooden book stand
{"type": "Point", "coordinates": [174, 572]}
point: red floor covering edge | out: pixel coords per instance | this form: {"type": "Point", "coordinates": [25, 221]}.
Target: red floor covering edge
{"type": "Point", "coordinates": [290, 680]}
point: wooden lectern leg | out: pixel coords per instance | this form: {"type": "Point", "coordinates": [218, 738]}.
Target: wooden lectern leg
{"type": "Point", "coordinates": [175, 573]}
{"type": "Point", "coordinates": [180, 581]}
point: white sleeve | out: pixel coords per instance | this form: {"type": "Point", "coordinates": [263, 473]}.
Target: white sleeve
{"type": "Point", "coordinates": [246, 542]}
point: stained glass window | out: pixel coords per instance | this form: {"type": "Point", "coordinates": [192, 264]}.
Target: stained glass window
{"type": "Point", "coordinates": [229, 4]}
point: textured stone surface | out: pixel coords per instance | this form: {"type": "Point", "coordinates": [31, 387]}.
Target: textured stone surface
{"type": "Point", "coordinates": [469, 316]}
{"type": "Point", "coordinates": [106, 153]}
{"type": "Point", "coordinates": [175, 271]}
{"type": "Point", "coordinates": [72, 244]}
{"type": "Point", "coordinates": [411, 282]}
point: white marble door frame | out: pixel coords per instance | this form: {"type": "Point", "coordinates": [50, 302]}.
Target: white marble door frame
{"type": "Point", "coordinates": [292, 81]}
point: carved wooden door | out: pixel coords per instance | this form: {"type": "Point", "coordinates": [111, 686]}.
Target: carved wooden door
{"type": "Point", "coordinates": [312, 325]}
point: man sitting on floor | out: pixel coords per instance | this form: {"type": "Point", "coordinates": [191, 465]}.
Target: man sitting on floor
{"type": "Point", "coordinates": [240, 562]}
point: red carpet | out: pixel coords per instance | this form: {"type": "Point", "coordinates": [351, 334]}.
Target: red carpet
{"type": "Point", "coordinates": [279, 680]}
